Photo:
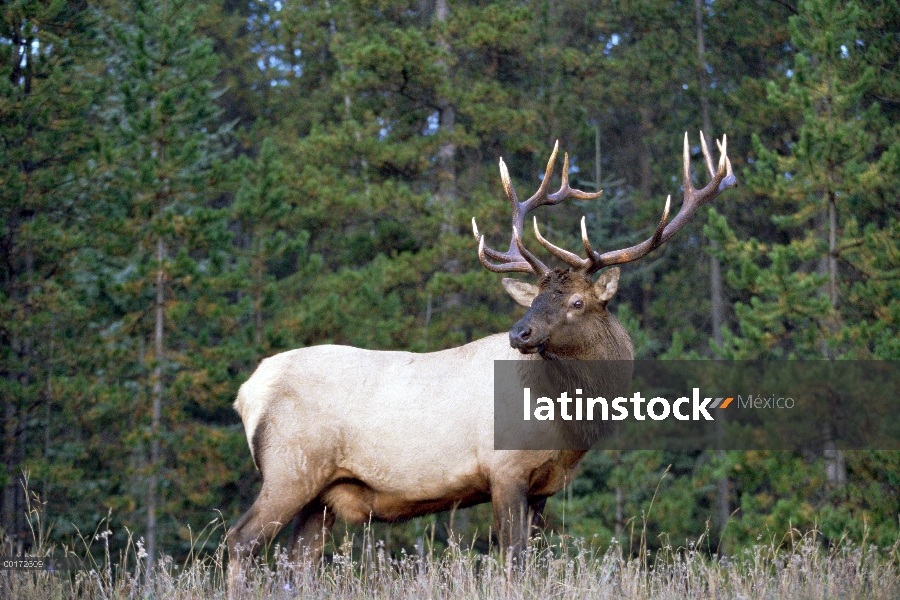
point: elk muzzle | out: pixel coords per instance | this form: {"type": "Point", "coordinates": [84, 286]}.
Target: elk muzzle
{"type": "Point", "coordinates": [523, 338]}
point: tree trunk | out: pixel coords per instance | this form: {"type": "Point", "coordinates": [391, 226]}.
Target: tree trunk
{"type": "Point", "coordinates": [446, 155]}
{"type": "Point", "coordinates": [18, 415]}
{"type": "Point", "coordinates": [348, 101]}
{"type": "Point", "coordinates": [258, 266]}
{"type": "Point", "coordinates": [620, 499]}
{"type": "Point", "coordinates": [646, 156]}
{"type": "Point", "coordinates": [10, 492]}
{"type": "Point", "coordinates": [48, 400]}
{"type": "Point", "coordinates": [159, 356]}
{"type": "Point", "coordinates": [717, 303]}
{"type": "Point", "coordinates": [646, 189]}
{"type": "Point", "coordinates": [832, 251]}
{"type": "Point", "coordinates": [835, 462]}
{"type": "Point", "coordinates": [156, 417]}
{"type": "Point", "coordinates": [620, 496]}
{"type": "Point", "coordinates": [19, 292]}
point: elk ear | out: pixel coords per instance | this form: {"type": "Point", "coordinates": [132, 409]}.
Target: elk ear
{"type": "Point", "coordinates": [607, 284]}
{"type": "Point", "coordinates": [522, 292]}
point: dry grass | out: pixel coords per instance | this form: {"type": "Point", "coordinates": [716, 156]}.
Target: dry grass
{"type": "Point", "coordinates": [796, 567]}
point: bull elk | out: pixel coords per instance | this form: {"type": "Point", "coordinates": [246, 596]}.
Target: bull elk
{"type": "Point", "coordinates": [376, 435]}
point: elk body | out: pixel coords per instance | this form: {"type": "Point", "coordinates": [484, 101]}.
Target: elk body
{"type": "Point", "coordinates": [375, 435]}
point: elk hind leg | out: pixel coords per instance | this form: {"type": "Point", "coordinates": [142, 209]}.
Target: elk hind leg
{"type": "Point", "coordinates": [311, 528]}
{"type": "Point", "coordinates": [536, 510]}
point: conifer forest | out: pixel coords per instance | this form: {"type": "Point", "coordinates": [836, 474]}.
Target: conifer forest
{"type": "Point", "coordinates": [190, 186]}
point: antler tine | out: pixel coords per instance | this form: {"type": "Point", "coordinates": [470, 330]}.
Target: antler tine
{"type": "Point", "coordinates": [542, 198]}
{"type": "Point", "coordinates": [565, 191]}
{"type": "Point", "coordinates": [538, 198]}
{"type": "Point", "coordinates": [657, 235]}
{"type": "Point", "coordinates": [513, 260]}
{"type": "Point", "coordinates": [592, 254]}
{"type": "Point", "coordinates": [512, 255]}
{"type": "Point", "coordinates": [721, 180]}
{"type": "Point", "coordinates": [706, 157]}
{"type": "Point", "coordinates": [509, 267]}
{"type": "Point", "coordinates": [723, 153]}
{"type": "Point", "coordinates": [570, 258]}
{"type": "Point", "coordinates": [730, 179]}
{"type": "Point", "coordinates": [518, 258]}
{"type": "Point", "coordinates": [538, 267]}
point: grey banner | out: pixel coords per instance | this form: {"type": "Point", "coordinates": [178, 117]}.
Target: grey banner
{"type": "Point", "coordinates": [697, 405]}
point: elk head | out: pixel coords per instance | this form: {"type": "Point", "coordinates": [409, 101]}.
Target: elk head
{"type": "Point", "coordinates": [567, 315]}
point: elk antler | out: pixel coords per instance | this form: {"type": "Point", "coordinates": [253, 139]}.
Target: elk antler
{"type": "Point", "coordinates": [722, 179]}
{"type": "Point", "coordinates": [517, 258]}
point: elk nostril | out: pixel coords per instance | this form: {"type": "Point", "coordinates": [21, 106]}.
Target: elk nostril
{"type": "Point", "coordinates": [525, 334]}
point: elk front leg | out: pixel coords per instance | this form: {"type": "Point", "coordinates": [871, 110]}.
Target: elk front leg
{"type": "Point", "coordinates": [511, 518]}
{"type": "Point", "coordinates": [274, 507]}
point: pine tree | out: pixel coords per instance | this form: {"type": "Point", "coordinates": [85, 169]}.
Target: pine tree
{"type": "Point", "coordinates": [167, 233]}
{"type": "Point", "coordinates": [822, 283]}
{"type": "Point", "coordinates": [46, 85]}
{"type": "Point", "coordinates": [274, 243]}
{"type": "Point", "coordinates": [814, 295]}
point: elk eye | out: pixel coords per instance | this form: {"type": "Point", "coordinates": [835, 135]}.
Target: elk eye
{"type": "Point", "coordinates": [578, 304]}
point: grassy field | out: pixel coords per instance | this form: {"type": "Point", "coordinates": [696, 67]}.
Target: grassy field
{"type": "Point", "coordinates": [796, 566]}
